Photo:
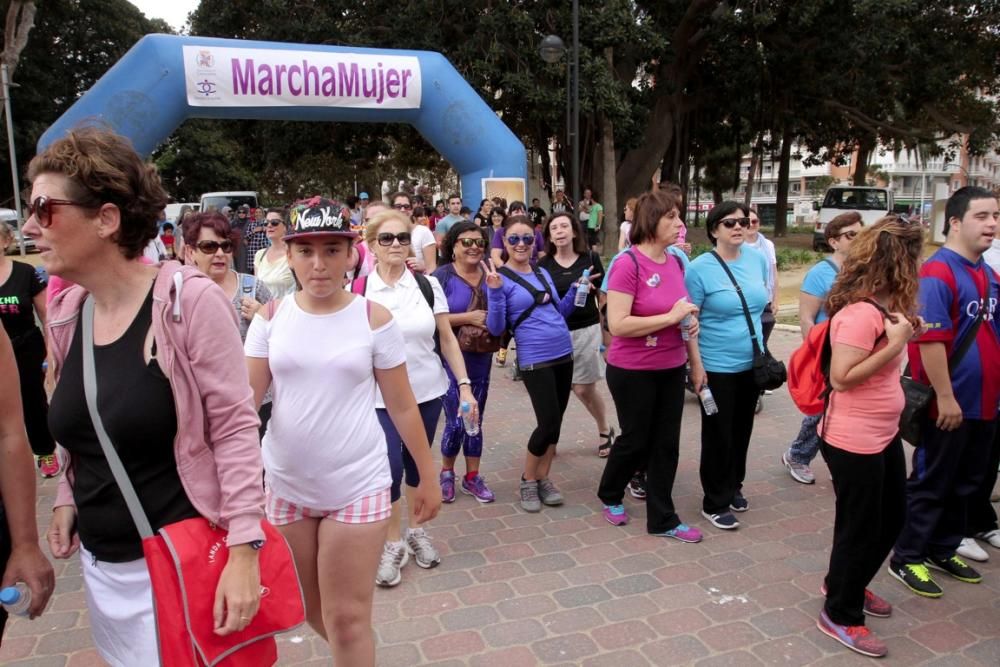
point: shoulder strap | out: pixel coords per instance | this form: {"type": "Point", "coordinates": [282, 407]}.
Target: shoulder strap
{"type": "Point", "coordinates": [680, 262]}
{"type": "Point", "coordinates": [743, 302]}
{"type": "Point", "coordinates": [90, 391]}
{"type": "Point", "coordinates": [509, 273]}
{"type": "Point", "coordinates": [959, 352]}
{"type": "Point", "coordinates": [359, 285]}
{"type": "Point", "coordinates": [425, 289]}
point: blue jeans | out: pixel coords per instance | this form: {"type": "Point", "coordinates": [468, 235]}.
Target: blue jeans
{"type": "Point", "coordinates": [806, 444]}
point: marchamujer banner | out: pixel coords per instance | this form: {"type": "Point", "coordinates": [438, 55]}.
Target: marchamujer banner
{"type": "Point", "coordinates": [232, 77]}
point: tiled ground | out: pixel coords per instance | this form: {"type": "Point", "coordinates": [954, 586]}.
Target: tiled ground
{"type": "Point", "coordinates": [563, 587]}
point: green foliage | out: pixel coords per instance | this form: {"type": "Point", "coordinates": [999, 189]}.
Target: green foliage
{"type": "Point", "coordinates": [791, 257]}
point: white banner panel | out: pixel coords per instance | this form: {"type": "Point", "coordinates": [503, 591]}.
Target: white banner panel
{"type": "Point", "coordinates": [228, 77]}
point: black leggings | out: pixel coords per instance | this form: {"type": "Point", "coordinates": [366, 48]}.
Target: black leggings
{"type": "Point", "coordinates": [30, 353]}
{"type": "Point", "coordinates": [549, 390]}
{"type": "Point", "coordinates": [725, 438]}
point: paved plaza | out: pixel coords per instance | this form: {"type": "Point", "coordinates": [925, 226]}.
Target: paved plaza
{"type": "Point", "coordinates": [564, 587]}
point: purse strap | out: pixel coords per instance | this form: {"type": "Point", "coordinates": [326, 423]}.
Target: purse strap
{"type": "Point", "coordinates": [743, 300]}
{"type": "Point", "coordinates": [114, 461]}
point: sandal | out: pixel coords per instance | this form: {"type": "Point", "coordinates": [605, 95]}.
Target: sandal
{"type": "Point", "coordinates": [604, 449]}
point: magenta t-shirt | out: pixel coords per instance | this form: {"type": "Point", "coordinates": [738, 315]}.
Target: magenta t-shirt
{"type": "Point", "coordinates": [657, 289]}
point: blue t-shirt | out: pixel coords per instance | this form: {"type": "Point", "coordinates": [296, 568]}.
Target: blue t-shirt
{"type": "Point", "coordinates": [818, 283]}
{"type": "Point", "coordinates": [976, 380]}
{"type": "Point", "coordinates": [459, 294]}
{"type": "Point", "coordinates": [724, 339]}
{"type": "Point", "coordinates": [673, 250]}
{"type": "Point", "coordinates": [544, 336]}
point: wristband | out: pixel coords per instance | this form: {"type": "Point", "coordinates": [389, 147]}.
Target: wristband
{"type": "Point", "coordinates": [465, 381]}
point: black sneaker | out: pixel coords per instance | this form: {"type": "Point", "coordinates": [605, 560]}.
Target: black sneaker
{"type": "Point", "coordinates": [723, 520]}
{"type": "Point", "coordinates": [916, 577]}
{"type": "Point", "coordinates": [637, 486]}
{"type": "Point", "coordinates": [739, 503]}
{"type": "Point", "coordinates": [956, 567]}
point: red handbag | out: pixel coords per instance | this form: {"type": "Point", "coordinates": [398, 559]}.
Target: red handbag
{"type": "Point", "coordinates": [185, 561]}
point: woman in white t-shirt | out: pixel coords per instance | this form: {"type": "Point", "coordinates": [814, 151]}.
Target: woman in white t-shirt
{"type": "Point", "coordinates": [625, 231]}
{"type": "Point", "coordinates": [324, 452]}
{"type": "Point", "coordinates": [420, 307]}
{"type": "Point", "coordinates": [271, 263]}
{"type": "Point", "coordinates": [424, 244]}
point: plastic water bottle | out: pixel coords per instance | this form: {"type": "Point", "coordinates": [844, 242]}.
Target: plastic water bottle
{"type": "Point", "coordinates": [16, 599]}
{"type": "Point", "coordinates": [582, 290]}
{"type": "Point", "coordinates": [708, 401]}
{"type": "Point", "coordinates": [686, 324]}
{"type": "Point", "coordinates": [471, 425]}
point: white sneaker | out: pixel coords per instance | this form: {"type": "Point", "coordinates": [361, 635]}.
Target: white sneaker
{"type": "Point", "coordinates": [992, 537]}
{"type": "Point", "coordinates": [970, 549]}
{"type": "Point", "coordinates": [419, 544]}
{"type": "Point", "coordinates": [390, 566]}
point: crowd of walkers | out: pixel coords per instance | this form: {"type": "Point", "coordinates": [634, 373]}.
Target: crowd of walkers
{"type": "Point", "coordinates": [307, 390]}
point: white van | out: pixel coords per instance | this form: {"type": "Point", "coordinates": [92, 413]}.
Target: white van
{"type": "Point", "coordinates": [174, 210]}
{"type": "Point", "coordinates": [871, 203]}
{"type": "Point", "coordinates": [233, 199]}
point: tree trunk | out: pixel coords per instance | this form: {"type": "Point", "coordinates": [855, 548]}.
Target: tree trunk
{"type": "Point", "coordinates": [20, 21]}
{"type": "Point", "coordinates": [781, 201]}
{"type": "Point", "coordinates": [608, 185]}
{"type": "Point", "coordinates": [755, 158]}
{"type": "Point", "coordinates": [866, 146]}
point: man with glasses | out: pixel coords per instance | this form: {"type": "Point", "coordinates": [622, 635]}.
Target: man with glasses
{"type": "Point", "coordinates": [839, 233]}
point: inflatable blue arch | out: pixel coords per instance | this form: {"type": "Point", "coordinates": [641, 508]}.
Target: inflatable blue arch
{"type": "Point", "coordinates": [165, 79]}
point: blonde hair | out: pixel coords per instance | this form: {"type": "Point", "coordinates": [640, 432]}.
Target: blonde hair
{"type": "Point", "coordinates": [382, 217]}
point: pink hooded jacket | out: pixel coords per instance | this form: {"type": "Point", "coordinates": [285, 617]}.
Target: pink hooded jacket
{"type": "Point", "coordinates": [217, 445]}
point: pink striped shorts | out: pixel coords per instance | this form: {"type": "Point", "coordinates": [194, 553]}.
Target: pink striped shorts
{"type": "Point", "coordinates": [370, 509]}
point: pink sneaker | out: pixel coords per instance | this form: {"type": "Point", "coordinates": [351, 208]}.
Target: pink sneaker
{"type": "Point", "coordinates": [684, 533]}
{"type": "Point", "coordinates": [615, 515]}
{"type": "Point", "coordinates": [855, 637]}
{"type": "Point", "coordinates": [48, 465]}
{"type": "Point", "coordinates": [874, 604]}
{"type": "Point", "coordinates": [476, 487]}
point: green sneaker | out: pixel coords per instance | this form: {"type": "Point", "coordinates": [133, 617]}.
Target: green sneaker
{"type": "Point", "coordinates": [916, 577]}
{"type": "Point", "coordinates": [956, 567]}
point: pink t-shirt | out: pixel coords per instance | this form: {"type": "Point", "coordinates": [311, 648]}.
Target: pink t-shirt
{"type": "Point", "coordinates": [659, 286]}
{"type": "Point", "coordinates": [864, 420]}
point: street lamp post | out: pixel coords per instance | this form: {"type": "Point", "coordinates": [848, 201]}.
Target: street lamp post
{"type": "Point", "coordinates": [13, 155]}
{"type": "Point", "coordinates": [551, 51]}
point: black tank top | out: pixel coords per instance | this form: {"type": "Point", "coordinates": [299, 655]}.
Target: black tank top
{"type": "Point", "coordinates": [138, 411]}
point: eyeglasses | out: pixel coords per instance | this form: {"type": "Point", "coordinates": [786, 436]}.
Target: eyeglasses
{"type": "Point", "coordinates": [274, 223]}
{"type": "Point", "coordinates": [515, 240]}
{"type": "Point", "coordinates": [468, 243]}
{"type": "Point", "coordinates": [386, 238]}
{"type": "Point", "coordinates": [729, 223]}
{"type": "Point", "coordinates": [42, 207]}
{"type": "Point", "coordinates": [402, 207]}
{"type": "Point", "coordinates": [211, 247]}
{"type": "Point", "coordinates": [849, 235]}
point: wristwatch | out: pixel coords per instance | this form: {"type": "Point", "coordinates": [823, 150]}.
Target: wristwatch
{"type": "Point", "coordinates": [462, 381]}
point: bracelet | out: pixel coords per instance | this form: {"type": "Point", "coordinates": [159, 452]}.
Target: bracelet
{"type": "Point", "coordinates": [465, 381]}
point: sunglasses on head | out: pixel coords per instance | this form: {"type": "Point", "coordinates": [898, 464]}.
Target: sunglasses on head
{"type": "Point", "coordinates": [468, 243]}
{"type": "Point", "coordinates": [211, 247]}
{"type": "Point", "coordinates": [526, 239]}
{"type": "Point", "coordinates": [42, 208]}
{"type": "Point", "coordinates": [729, 223]}
{"type": "Point", "coordinates": [402, 207]}
{"type": "Point", "coordinates": [386, 238]}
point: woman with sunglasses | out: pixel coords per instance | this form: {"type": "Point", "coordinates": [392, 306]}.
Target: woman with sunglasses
{"type": "Point", "coordinates": [727, 356]}
{"type": "Point", "coordinates": [420, 307]}
{"type": "Point", "coordinates": [271, 263]}
{"type": "Point", "coordinates": [171, 388]}
{"type": "Point", "coordinates": [462, 279]}
{"type": "Point", "coordinates": [522, 299]}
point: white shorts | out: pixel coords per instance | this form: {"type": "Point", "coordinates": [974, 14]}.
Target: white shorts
{"type": "Point", "coordinates": [120, 603]}
{"type": "Point", "coordinates": [588, 362]}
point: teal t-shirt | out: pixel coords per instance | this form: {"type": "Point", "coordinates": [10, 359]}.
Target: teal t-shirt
{"type": "Point", "coordinates": [818, 283]}
{"type": "Point", "coordinates": [724, 339]}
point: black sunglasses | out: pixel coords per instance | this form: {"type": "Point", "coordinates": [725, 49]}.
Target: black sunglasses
{"type": "Point", "coordinates": [468, 243]}
{"type": "Point", "coordinates": [851, 235]}
{"type": "Point", "coordinates": [274, 223]}
{"type": "Point", "coordinates": [42, 207]}
{"type": "Point", "coordinates": [402, 207]}
{"type": "Point", "coordinates": [386, 238]}
{"type": "Point", "coordinates": [729, 223]}
{"type": "Point", "coordinates": [526, 239]}
{"type": "Point", "coordinates": [211, 247]}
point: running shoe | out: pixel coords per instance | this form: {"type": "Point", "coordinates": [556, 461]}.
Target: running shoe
{"type": "Point", "coordinates": [723, 520]}
{"type": "Point", "coordinates": [419, 545]}
{"type": "Point", "coordinates": [615, 515]}
{"type": "Point", "coordinates": [684, 533]}
{"type": "Point", "coordinates": [916, 577]}
{"type": "Point", "coordinates": [991, 537]}
{"type": "Point", "coordinates": [800, 472]}
{"type": "Point", "coordinates": [548, 493]}
{"type": "Point", "coordinates": [874, 605]}
{"type": "Point", "coordinates": [447, 486]}
{"type": "Point", "coordinates": [739, 503]}
{"type": "Point", "coordinates": [956, 567]}
{"type": "Point", "coordinates": [48, 465]}
{"type": "Point", "coordinates": [529, 496]}
{"type": "Point", "coordinates": [970, 549]}
{"type": "Point", "coordinates": [390, 567]}
{"type": "Point", "coordinates": [637, 486]}
{"type": "Point", "coordinates": [855, 637]}
{"type": "Point", "coordinates": [476, 487]}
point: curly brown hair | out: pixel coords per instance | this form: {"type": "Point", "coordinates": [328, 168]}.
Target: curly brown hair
{"type": "Point", "coordinates": [883, 260]}
{"type": "Point", "coordinates": [102, 167]}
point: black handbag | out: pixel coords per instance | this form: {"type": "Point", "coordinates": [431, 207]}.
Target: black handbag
{"type": "Point", "coordinates": [768, 372]}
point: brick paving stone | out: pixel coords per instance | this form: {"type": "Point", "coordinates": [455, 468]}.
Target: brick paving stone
{"type": "Point", "coordinates": [572, 620]}
{"type": "Point", "coordinates": [641, 563]}
{"type": "Point", "coordinates": [64, 641]}
{"type": "Point", "coordinates": [469, 618]}
{"type": "Point", "coordinates": [399, 655]}
{"type": "Point", "coordinates": [557, 562]}
{"type": "Point", "coordinates": [539, 583]}
{"type": "Point", "coordinates": [518, 632]}
{"type": "Point", "coordinates": [422, 605]}
{"type": "Point", "coordinates": [943, 636]}
{"type": "Point", "coordinates": [515, 656]}
{"type": "Point", "coordinates": [407, 630]}
{"type": "Point", "coordinates": [733, 659]}
{"type": "Point", "coordinates": [86, 658]}
{"type": "Point", "coordinates": [782, 622]}
{"type": "Point", "coordinates": [556, 543]}
{"type": "Point", "coordinates": [581, 595]}
{"type": "Point", "coordinates": [498, 572]}
{"type": "Point", "coordinates": [508, 552]}
{"type": "Point", "coordinates": [452, 644]}
{"type": "Point", "coordinates": [623, 635]}
{"type": "Point", "coordinates": [595, 573]}
{"type": "Point", "coordinates": [527, 607]}
{"type": "Point", "coordinates": [446, 580]}
{"type": "Point", "coordinates": [634, 584]}
{"type": "Point", "coordinates": [16, 648]}
{"type": "Point", "coordinates": [730, 636]}
{"type": "Point", "coordinates": [617, 659]}
{"type": "Point", "coordinates": [786, 651]}
{"type": "Point", "coordinates": [43, 661]}
{"type": "Point", "coordinates": [567, 648]}
{"type": "Point", "coordinates": [676, 650]}
{"type": "Point", "coordinates": [623, 609]}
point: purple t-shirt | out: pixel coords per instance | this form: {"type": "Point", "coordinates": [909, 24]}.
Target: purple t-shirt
{"type": "Point", "coordinates": [459, 294]}
{"type": "Point", "coordinates": [497, 242]}
{"type": "Point", "coordinates": [659, 286]}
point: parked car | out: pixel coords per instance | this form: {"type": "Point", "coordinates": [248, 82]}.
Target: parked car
{"type": "Point", "coordinates": [233, 199]}
{"type": "Point", "coordinates": [872, 203]}
{"type": "Point", "coordinates": [9, 217]}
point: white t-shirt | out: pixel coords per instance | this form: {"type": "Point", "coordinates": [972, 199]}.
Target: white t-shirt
{"type": "Point", "coordinates": [765, 246]}
{"type": "Point", "coordinates": [421, 237]}
{"type": "Point", "coordinates": [409, 308]}
{"type": "Point", "coordinates": [992, 256]}
{"type": "Point", "coordinates": [324, 447]}
{"type": "Point", "coordinates": [626, 229]}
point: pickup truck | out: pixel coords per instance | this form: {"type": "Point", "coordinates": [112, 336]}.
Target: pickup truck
{"type": "Point", "coordinates": [871, 202]}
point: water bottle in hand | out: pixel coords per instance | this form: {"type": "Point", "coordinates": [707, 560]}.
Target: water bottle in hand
{"type": "Point", "coordinates": [16, 599]}
{"type": "Point", "coordinates": [471, 425]}
{"type": "Point", "coordinates": [686, 324]}
{"type": "Point", "coordinates": [582, 290]}
{"type": "Point", "coordinates": [708, 401]}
